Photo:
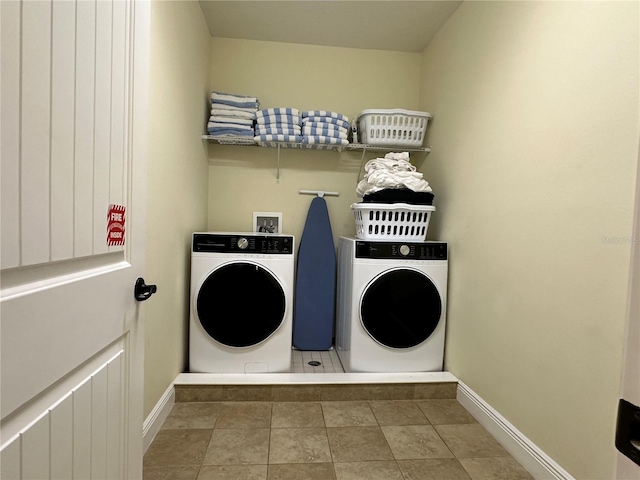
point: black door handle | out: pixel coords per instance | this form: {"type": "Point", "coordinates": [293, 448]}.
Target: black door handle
{"type": "Point", "coordinates": [628, 430]}
{"type": "Point", "coordinates": [142, 291]}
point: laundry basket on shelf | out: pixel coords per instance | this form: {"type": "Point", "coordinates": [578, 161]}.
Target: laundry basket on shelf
{"type": "Point", "coordinates": [392, 221]}
{"type": "Point", "coordinates": [395, 127]}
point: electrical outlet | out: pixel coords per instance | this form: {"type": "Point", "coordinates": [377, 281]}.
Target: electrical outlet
{"type": "Point", "coordinates": [267, 222]}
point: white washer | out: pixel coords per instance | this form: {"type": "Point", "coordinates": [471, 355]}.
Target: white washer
{"type": "Point", "coordinates": [241, 302]}
{"type": "Point", "coordinates": [391, 305]}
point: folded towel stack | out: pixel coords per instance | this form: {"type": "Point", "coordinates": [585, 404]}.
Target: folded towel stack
{"type": "Point", "coordinates": [232, 115]}
{"type": "Point", "coordinates": [278, 125]}
{"type": "Point", "coordinates": [320, 127]}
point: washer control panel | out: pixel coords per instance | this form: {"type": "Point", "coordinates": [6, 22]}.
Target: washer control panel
{"type": "Point", "coordinates": [243, 243]}
{"type": "Point", "coordinates": [400, 250]}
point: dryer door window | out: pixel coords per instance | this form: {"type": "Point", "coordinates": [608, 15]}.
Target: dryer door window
{"type": "Point", "coordinates": [241, 304]}
{"type": "Point", "coordinates": [401, 308]}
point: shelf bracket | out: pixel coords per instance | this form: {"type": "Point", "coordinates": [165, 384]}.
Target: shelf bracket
{"type": "Point", "coordinates": [278, 166]}
{"type": "Point", "coordinates": [364, 152]}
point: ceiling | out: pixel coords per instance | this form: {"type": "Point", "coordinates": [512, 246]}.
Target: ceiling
{"type": "Point", "coordinates": [396, 25]}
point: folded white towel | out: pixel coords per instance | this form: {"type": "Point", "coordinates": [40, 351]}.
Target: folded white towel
{"type": "Point", "coordinates": [233, 113]}
{"type": "Point", "coordinates": [238, 120]}
{"type": "Point", "coordinates": [223, 106]}
{"type": "Point", "coordinates": [229, 132]}
{"type": "Point", "coordinates": [235, 126]}
{"type": "Point", "coordinates": [242, 101]}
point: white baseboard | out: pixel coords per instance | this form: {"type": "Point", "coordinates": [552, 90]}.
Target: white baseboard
{"type": "Point", "coordinates": [532, 458]}
{"type": "Point", "coordinates": [157, 417]}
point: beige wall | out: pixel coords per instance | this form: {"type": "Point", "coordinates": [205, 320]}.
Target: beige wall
{"type": "Point", "coordinates": [177, 186]}
{"type": "Point", "coordinates": [535, 132]}
{"type": "Point", "coordinates": [535, 139]}
{"type": "Point", "coordinates": [243, 179]}
{"type": "Point", "coordinates": [630, 384]}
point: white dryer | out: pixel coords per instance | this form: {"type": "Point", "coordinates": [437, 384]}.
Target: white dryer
{"type": "Point", "coordinates": [241, 302]}
{"type": "Point", "coordinates": [391, 305]}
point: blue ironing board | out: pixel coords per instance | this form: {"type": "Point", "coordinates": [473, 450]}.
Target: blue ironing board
{"type": "Point", "coordinates": [315, 289]}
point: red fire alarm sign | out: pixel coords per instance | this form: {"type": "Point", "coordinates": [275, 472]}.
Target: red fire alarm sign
{"type": "Point", "coordinates": [115, 225]}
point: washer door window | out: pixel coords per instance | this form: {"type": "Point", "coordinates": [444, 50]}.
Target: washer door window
{"type": "Point", "coordinates": [401, 308]}
{"type": "Point", "coordinates": [241, 304]}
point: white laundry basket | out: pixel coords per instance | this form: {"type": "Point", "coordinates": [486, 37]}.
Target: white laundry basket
{"type": "Point", "coordinates": [392, 221]}
{"type": "Point", "coordinates": [395, 127]}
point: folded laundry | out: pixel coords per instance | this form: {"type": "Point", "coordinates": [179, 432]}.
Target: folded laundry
{"type": "Point", "coordinates": [278, 129]}
{"type": "Point", "coordinates": [224, 106]}
{"type": "Point", "coordinates": [240, 101]}
{"type": "Point", "coordinates": [326, 131]}
{"type": "Point", "coordinates": [277, 118]}
{"type": "Point", "coordinates": [234, 112]}
{"type": "Point", "coordinates": [326, 125]}
{"type": "Point", "coordinates": [325, 113]}
{"type": "Point", "coordinates": [267, 112]}
{"type": "Point", "coordinates": [277, 138]}
{"type": "Point", "coordinates": [235, 126]}
{"type": "Point", "coordinates": [379, 179]}
{"type": "Point", "coordinates": [321, 139]}
{"type": "Point", "coordinates": [392, 171]}
{"type": "Point", "coordinates": [333, 121]}
{"type": "Point", "coordinates": [398, 156]}
{"type": "Point", "coordinates": [236, 120]}
{"type": "Point", "coordinates": [229, 132]}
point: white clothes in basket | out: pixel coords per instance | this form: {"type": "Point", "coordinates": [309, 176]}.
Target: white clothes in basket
{"type": "Point", "coordinates": [392, 171]}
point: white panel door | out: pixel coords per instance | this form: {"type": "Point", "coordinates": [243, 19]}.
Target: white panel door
{"type": "Point", "coordinates": [74, 141]}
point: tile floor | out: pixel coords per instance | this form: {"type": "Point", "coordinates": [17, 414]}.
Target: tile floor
{"type": "Point", "coordinates": [315, 362]}
{"type": "Point", "coordinates": [418, 439]}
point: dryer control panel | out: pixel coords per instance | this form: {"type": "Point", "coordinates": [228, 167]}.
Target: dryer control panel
{"type": "Point", "coordinates": [243, 243]}
{"type": "Point", "coordinates": [400, 250]}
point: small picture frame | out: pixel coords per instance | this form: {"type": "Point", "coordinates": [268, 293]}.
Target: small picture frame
{"type": "Point", "coordinates": [267, 222]}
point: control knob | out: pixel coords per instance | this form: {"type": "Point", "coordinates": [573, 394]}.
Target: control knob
{"type": "Point", "coordinates": [243, 243]}
{"type": "Point", "coordinates": [404, 250]}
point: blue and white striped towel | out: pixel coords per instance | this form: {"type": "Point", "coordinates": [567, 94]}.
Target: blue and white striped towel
{"type": "Point", "coordinates": [278, 111]}
{"type": "Point", "coordinates": [325, 131]}
{"type": "Point", "coordinates": [328, 126]}
{"type": "Point", "coordinates": [278, 138]}
{"type": "Point", "coordinates": [230, 132]}
{"type": "Point", "coordinates": [325, 113]}
{"type": "Point", "coordinates": [235, 126]}
{"type": "Point", "coordinates": [278, 129]}
{"type": "Point", "coordinates": [240, 101]}
{"type": "Point", "coordinates": [235, 112]}
{"type": "Point", "coordinates": [277, 118]}
{"type": "Point", "coordinates": [222, 106]}
{"type": "Point", "coordinates": [332, 121]}
{"type": "Point", "coordinates": [320, 139]}
{"type": "Point", "coordinates": [236, 120]}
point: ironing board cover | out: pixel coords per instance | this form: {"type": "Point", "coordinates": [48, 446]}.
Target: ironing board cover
{"type": "Point", "coordinates": [314, 298]}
